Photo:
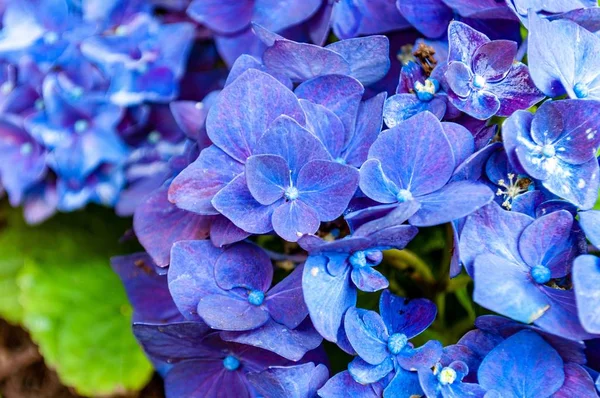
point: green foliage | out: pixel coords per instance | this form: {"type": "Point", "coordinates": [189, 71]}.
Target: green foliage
{"type": "Point", "coordinates": [62, 289]}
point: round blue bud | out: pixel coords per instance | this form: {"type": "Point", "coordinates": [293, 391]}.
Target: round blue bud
{"type": "Point", "coordinates": [581, 90]}
{"type": "Point", "coordinates": [396, 343]}
{"type": "Point", "coordinates": [291, 193]}
{"type": "Point", "coordinates": [256, 297]}
{"type": "Point", "coordinates": [81, 125]}
{"type": "Point", "coordinates": [26, 148]}
{"type": "Point", "coordinates": [358, 259]}
{"type": "Point", "coordinates": [374, 257]}
{"type": "Point", "coordinates": [541, 274]}
{"type": "Point", "coordinates": [548, 151]}
{"type": "Point", "coordinates": [154, 137]}
{"type": "Point", "coordinates": [231, 363]}
{"type": "Point", "coordinates": [403, 195]}
{"type": "Point", "coordinates": [50, 37]}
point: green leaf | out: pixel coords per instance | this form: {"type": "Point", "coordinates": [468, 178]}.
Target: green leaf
{"type": "Point", "coordinates": [72, 303]}
{"type": "Point", "coordinates": [10, 308]}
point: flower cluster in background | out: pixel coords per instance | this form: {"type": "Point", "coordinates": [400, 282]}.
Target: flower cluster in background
{"type": "Point", "coordinates": [273, 191]}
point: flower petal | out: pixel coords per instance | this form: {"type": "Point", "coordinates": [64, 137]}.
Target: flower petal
{"type": "Point", "coordinates": [194, 188]}
{"type": "Point", "coordinates": [454, 201]}
{"type": "Point", "coordinates": [244, 265]}
{"type": "Point", "coordinates": [229, 312]}
{"type": "Point", "coordinates": [512, 367]}
{"type": "Point", "coordinates": [267, 177]}
{"type": "Point", "coordinates": [244, 110]}
{"type": "Point", "coordinates": [495, 277]}
{"type": "Point", "coordinates": [407, 316]}
{"type": "Point", "coordinates": [293, 219]}
{"type": "Point", "coordinates": [191, 274]}
{"type": "Point", "coordinates": [327, 297]}
{"type": "Point", "coordinates": [327, 187]}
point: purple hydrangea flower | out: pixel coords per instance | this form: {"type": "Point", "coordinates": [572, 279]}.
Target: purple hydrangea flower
{"type": "Point", "coordinates": [241, 114]}
{"type": "Point", "coordinates": [204, 363]}
{"type": "Point", "coordinates": [147, 291]}
{"type": "Point", "coordinates": [335, 270]}
{"type": "Point", "coordinates": [397, 171]}
{"type": "Point", "coordinates": [521, 255]}
{"type": "Point", "coordinates": [558, 146]}
{"type": "Point", "coordinates": [293, 184]}
{"type": "Point", "coordinates": [482, 78]}
{"type": "Point", "coordinates": [230, 290]}
{"type": "Point", "coordinates": [382, 342]}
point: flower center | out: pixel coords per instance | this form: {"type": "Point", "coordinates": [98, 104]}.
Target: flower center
{"type": "Point", "coordinates": [7, 87]}
{"type": "Point", "coordinates": [479, 82]}
{"type": "Point", "coordinates": [581, 90]}
{"type": "Point", "coordinates": [340, 160]}
{"type": "Point", "coordinates": [403, 195]}
{"type": "Point", "coordinates": [291, 193]}
{"type": "Point", "coordinates": [548, 151]}
{"type": "Point", "coordinates": [50, 37]}
{"type": "Point", "coordinates": [396, 343]}
{"type": "Point", "coordinates": [358, 259]}
{"type": "Point", "coordinates": [256, 297]}
{"type": "Point", "coordinates": [425, 92]}
{"type": "Point", "coordinates": [447, 376]}
{"type": "Point", "coordinates": [154, 137]}
{"type": "Point", "coordinates": [541, 274]}
{"type": "Point", "coordinates": [231, 363]}
{"type": "Point", "coordinates": [81, 125]}
{"type": "Point", "coordinates": [512, 188]}
{"type": "Point", "coordinates": [26, 148]}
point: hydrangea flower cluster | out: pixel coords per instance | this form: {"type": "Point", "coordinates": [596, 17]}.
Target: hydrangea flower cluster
{"type": "Point", "coordinates": [318, 160]}
{"type": "Point", "coordinates": [85, 90]}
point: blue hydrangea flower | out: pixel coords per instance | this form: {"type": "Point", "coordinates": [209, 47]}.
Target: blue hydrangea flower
{"type": "Point", "coordinates": [576, 72]}
{"type": "Point", "coordinates": [482, 78]}
{"type": "Point", "coordinates": [145, 59]}
{"type": "Point", "coordinates": [382, 342]}
{"type": "Point", "coordinates": [558, 146]}
{"type": "Point", "coordinates": [334, 271]}
{"type": "Point", "coordinates": [202, 360]}
{"type": "Point", "coordinates": [415, 161]}
{"type": "Point", "coordinates": [230, 290]}
{"type": "Point", "coordinates": [299, 381]}
{"type": "Point", "coordinates": [23, 161]}
{"type": "Point", "coordinates": [447, 381]}
{"type": "Point", "coordinates": [415, 93]}
{"type": "Point", "coordinates": [508, 251]}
